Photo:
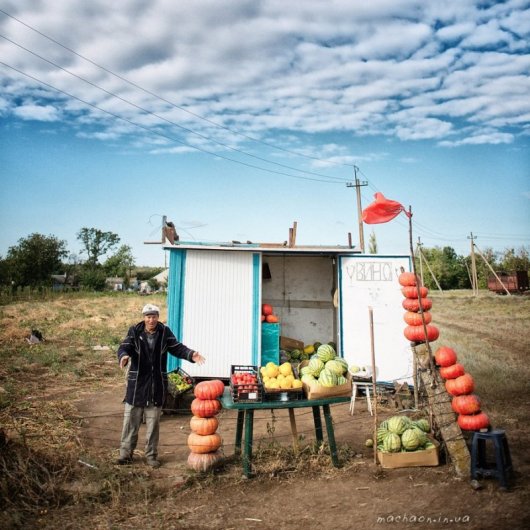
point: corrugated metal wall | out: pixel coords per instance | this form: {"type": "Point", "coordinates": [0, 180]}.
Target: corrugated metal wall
{"type": "Point", "coordinates": [218, 310]}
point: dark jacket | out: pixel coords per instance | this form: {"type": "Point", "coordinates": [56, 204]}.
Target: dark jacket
{"type": "Point", "coordinates": [147, 377]}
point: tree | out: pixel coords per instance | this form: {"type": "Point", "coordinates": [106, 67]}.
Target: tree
{"type": "Point", "coordinates": [515, 260]}
{"type": "Point", "coordinates": [372, 244]}
{"type": "Point", "coordinates": [120, 263]}
{"type": "Point", "coordinates": [448, 268]}
{"type": "Point", "coordinates": [96, 243]}
{"type": "Point", "coordinates": [33, 260]}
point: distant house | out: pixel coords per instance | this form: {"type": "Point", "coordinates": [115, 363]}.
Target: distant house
{"type": "Point", "coordinates": [160, 278]}
{"type": "Point", "coordinates": [115, 283]}
{"type": "Point", "coordinates": [62, 281]}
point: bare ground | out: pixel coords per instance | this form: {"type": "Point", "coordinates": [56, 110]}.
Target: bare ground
{"type": "Point", "coordinates": [284, 494]}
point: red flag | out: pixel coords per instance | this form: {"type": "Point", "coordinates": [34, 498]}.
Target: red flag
{"type": "Point", "coordinates": [382, 210]}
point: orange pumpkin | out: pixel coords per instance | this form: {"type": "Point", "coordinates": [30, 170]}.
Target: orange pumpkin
{"type": "Point", "coordinates": [466, 404]}
{"type": "Point", "coordinates": [414, 319]}
{"type": "Point", "coordinates": [445, 356]}
{"type": "Point", "coordinates": [205, 408]}
{"type": "Point", "coordinates": [460, 386]}
{"type": "Point", "coordinates": [209, 389]}
{"type": "Point", "coordinates": [203, 426]}
{"type": "Point", "coordinates": [411, 291]}
{"type": "Point", "coordinates": [204, 461]}
{"type": "Point", "coordinates": [412, 304]}
{"type": "Point", "coordinates": [204, 444]}
{"type": "Point", "coordinates": [473, 422]}
{"type": "Point", "coordinates": [417, 333]}
{"type": "Point", "coordinates": [452, 372]}
{"type": "Point", "coordinates": [407, 278]}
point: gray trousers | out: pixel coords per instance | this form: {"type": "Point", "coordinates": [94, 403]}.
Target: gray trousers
{"type": "Point", "coordinates": [132, 420]}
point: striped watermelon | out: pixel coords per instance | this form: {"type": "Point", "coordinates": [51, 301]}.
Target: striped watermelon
{"type": "Point", "coordinates": [411, 439]}
{"type": "Point", "coordinates": [326, 353]}
{"type": "Point", "coordinates": [316, 366]}
{"type": "Point", "coordinates": [327, 378]}
{"type": "Point", "coordinates": [392, 443]}
{"type": "Point", "coordinates": [398, 424]}
{"type": "Point", "coordinates": [334, 366]}
{"type": "Point", "coordinates": [343, 362]}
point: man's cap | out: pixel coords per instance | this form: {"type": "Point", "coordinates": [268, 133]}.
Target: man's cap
{"type": "Point", "coordinates": [150, 309]}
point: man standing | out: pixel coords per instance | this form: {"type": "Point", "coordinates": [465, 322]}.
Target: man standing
{"type": "Point", "coordinates": [146, 347]}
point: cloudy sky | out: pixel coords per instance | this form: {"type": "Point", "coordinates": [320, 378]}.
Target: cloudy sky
{"type": "Point", "coordinates": [237, 118]}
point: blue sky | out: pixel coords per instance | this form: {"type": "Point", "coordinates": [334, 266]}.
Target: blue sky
{"type": "Point", "coordinates": [236, 119]}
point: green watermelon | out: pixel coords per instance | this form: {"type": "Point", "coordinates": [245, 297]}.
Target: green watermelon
{"type": "Point", "coordinates": [308, 379]}
{"type": "Point", "coordinates": [316, 366]}
{"type": "Point", "coordinates": [341, 380]}
{"type": "Point", "coordinates": [306, 370]}
{"type": "Point", "coordinates": [344, 364]}
{"type": "Point", "coordinates": [327, 378]}
{"type": "Point", "coordinates": [422, 424]}
{"type": "Point", "coordinates": [410, 439]}
{"type": "Point", "coordinates": [317, 345]}
{"type": "Point", "coordinates": [295, 354]}
{"type": "Point", "coordinates": [326, 353]}
{"type": "Point", "coordinates": [392, 443]}
{"type": "Point", "coordinates": [334, 366]}
{"type": "Point", "coordinates": [381, 433]}
{"type": "Point", "coordinates": [398, 424]}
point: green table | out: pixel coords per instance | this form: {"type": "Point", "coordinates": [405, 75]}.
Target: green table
{"type": "Point", "coordinates": [245, 418]}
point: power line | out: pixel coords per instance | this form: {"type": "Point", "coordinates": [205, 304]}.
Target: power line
{"type": "Point", "coordinates": [146, 91]}
{"type": "Point", "coordinates": [151, 131]}
{"type": "Point", "coordinates": [165, 119]}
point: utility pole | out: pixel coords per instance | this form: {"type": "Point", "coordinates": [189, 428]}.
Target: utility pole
{"type": "Point", "coordinates": [357, 187]}
{"type": "Point", "coordinates": [418, 246]}
{"type": "Point", "coordinates": [474, 277]}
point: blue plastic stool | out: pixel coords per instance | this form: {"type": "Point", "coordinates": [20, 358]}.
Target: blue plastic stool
{"type": "Point", "coordinates": [503, 461]}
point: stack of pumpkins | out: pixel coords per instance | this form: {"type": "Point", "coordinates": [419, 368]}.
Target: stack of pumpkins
{"type": "Point", "coordinates": [461, 385]}
{"type": "Point", "coordinates": [415, 332]}
{"type": "Point", "coordinates": [204, 442]}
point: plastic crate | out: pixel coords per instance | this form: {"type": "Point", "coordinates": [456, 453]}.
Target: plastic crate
{"type": "Point", "coordinates": [240, 392]}
{"type": "Point", "coordinates": [171, 387]}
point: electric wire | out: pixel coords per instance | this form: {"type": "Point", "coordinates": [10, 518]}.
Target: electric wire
{"type": "Point", "coordinates": [157, 133]}
{"type": "Point", "coordinates": [147, 111]}
{"type": "Point", "coordinates": [146, 91]}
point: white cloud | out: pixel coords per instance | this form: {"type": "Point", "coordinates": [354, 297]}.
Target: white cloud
{"type": "Point", "coordinates": [486, 138]}
{"type": "Point", "coordinates": [404, 68]}
{"type": "Point", "coordinates": [30, 111]}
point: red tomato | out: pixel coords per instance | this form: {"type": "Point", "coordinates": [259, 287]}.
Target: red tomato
{"type": "Point", "coordinates": [266, 309]}
{"type": "Point", "coordinates": [272, 319]}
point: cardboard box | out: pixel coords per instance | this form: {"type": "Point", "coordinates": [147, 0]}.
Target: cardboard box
{"type": "Point", "coordinates": [318, 391]}
{"type": "Point", "coordinates": [427, 457]}
{"type": "Point", "coordinates": [291, 344]}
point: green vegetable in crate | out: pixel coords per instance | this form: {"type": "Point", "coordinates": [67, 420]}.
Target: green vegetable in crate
{"type": "Point", "coordinates": [316, 366]}
{"type": "Point", "coordinates": [392, 443]}
{"type": "Point", "coordinates": [295, 354]}
{"type": "Point", "coordinates": [343, 363]}
{"type": "Point", "coordinates": [317, 345]}
{"type": "Point", "coordinates": [306, 370]}
{"type": "Point", "coordinates": [398, 424]}
{"type": "Point", "coordinates": [181, 383]}
{"type": "Point", "coordinates": [308, 379]}
{"type": "Point", "coordinates": [422, 424]}
{"type": "Point", "coordinates": [327, 378]}
{"type": "Point", "coordinates": [326, 353]}
{"type": "Point", "coordinates": [381, 433]}
{"type": "Point", "coordinates": [412, 438]}
{"type": "Point", "coordinates": [334, 366]}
